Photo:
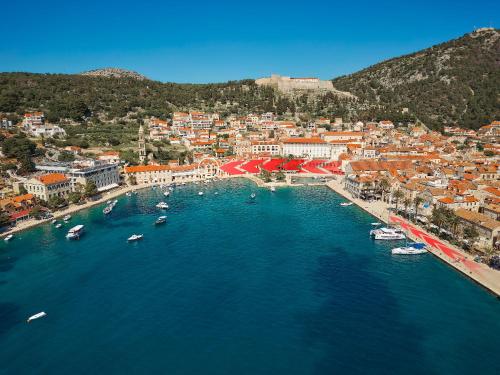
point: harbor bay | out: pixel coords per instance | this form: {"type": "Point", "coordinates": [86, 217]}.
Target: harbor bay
{"type": "Point", "coordinates": [288, 282]}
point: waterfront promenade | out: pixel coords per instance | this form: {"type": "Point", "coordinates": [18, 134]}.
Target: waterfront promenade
{"type": "Point", "coordinates": [453, 256]}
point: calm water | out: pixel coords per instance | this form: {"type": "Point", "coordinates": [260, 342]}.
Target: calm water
{"type": "Point", "coordinates": [290, 284]}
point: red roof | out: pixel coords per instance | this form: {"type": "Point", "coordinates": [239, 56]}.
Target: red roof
{"type": "Point", "coordinates": [273, 165]}
{"type": "Point", "coordinates": [252, 166]}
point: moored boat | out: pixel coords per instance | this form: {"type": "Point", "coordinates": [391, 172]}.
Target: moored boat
{"type": "Point", "coordinates": [67, 217]}
{"type": "Point", "coordinates": [8, 237]}
{"type": "Point", "coordinates": [36, 316]}
{"type": "Point", "coordinates": [162, 205]}
{"type": "Point", "coordinates": [410, 249]}
{"type": "Point", "coordinates": [387, 234]}
{"type": "Point", "coordinates": [161, 220]}
{"type": "Point", "coordinates": [273, 189]}
{"type": "Point", "coordinates": [107, 210]}
{"type": "Point", "coordinates": [75, 232]}
{"type": "Point", "coordinates": [59, 225]}
{"type": "Point", "coordinates": [200, 193]}
{"type": "Point", "coordinates": [167, 193]}
{"type": "Point", "coordinates": [345, 204]}
{"type": "Point", "coordinates": [135, 237]}
{"type": "Point", "coordinates": [252, 196]}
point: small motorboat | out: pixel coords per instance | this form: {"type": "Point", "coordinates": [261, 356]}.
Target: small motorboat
{"type": "Point", "coordinates": [36, 316]}
{"type": "Point", "coordinates": [273, 189]}
{"type": "Point", "coordinates": [216, 193]}
{"type": "Point", "coordinates": [135, 237]}
{"type": "Point", "coordinates": [107, 210]}
{"type": "Point", "coordinates": [108, 202]}
{"type": "Point", "coordinates": [59, 225]}
{"type": "Point", "coordinates": [345, 204]}
{"type": "Point", "coordinates": [75, 232]}
{"type": "Point", "coordinates": [200, 193]}
{"type": "Point", "coordinates": [128, 194]}
{"type": "Point", "coordinates": [54, 221]}
{"type": "Point", "coordinates": [167, 193]}
{"type": "Point", "coordinates": [8, 237]}
{"type": "Point", "coordinates": [387, 234]}
{"type": "Point", "coordinates": [162, 205]}
{"type": "Point", "coordinates": [376, 224]}
{"type": "Point", "coordinates": [161, 220]}
{"type": "Point", "coordinates": [67, 218]}
{"type": "Point", "coordinates": [115, 202]}
{"type": "Point", "coordinates": [252, 196]}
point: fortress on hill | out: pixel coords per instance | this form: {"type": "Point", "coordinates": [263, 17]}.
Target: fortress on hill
{"type": "Point", "coordinates": [286, 84]}
{"type": "Point", "coordinates": [289, 84]}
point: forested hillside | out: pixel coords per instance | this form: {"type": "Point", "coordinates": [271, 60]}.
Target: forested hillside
{"type": "Point", "coordinates": [454, 82]}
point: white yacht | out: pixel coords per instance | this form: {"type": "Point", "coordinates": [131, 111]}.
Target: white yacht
{"type": "Point", "coordinates": [54, 221]}
{"type": "Point", "coordinates": [36, 316]}
{"type": "Point", "coordinates": [108, 202]}
{"type": "Point", "coordinates": [410, 249]}
{"type": "Point", "coordinates": [58, 225]}
{"type": "Point", "coordinates": [8, 237]}
{"type": "Point", "coordinates": [67, 217]}
{"type": "Point", "coordinates": [345, 204]}
{"type": "Point", "coordinates": [167, 193]}
{"type": "Point", "coordinates": [273, 189]}
{"type": "Point", "coordinates": [107, 210]}
{"type": "Point", "coordinates": [135, 237]}
{"type": "Point", "coordinates": [162, 205]}
{"type": "Point", "coordinates": [387, 234]}
{"type": "Point", "coordinates": [75, 232]}
{"type": "Point", "coordinates": [200, 193]}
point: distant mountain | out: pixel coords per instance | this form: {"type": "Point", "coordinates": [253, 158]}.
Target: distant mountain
{"type": "Point", "coordinates": [114, 73]}
{"type": "Point", "coordinates": [453, 82]}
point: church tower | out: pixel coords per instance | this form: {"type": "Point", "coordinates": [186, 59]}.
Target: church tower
{"type": "Point", "coordinates": [142, 145]}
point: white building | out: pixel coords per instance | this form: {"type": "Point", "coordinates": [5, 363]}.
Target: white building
{"type": "Point", "coordinates": [307, 148]}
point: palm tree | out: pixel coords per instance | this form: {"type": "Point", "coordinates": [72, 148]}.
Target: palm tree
{"type": "Point", "coordinates": [406, 204]}
{"type": "Point", "coordinates": [384, 185]}
{"type": "Point", "coordinates": [438, 217]}
{"type": "Point", "coordinates": [453, 221]}
{"type": "Point", "coordinates": [416, 203]}
{"type": "Point", "coordinates": [398, 195]}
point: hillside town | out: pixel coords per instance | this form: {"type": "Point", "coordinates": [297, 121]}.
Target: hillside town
{"type": "Point", "coordinates": [448, 183]}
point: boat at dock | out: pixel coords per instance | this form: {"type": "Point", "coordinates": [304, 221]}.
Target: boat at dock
{"type": "Point", "coordinates": [135, 237]}
{"type": "Point", "coordinates": [200, 193]}
{"type": "Point", "coordinates": [410, 249]}
{"type": "Point", "coordinates": [67, 218]}
{"type": "Point", "coordinates": [8, 237]}
{"type": "Point", "coordinates": [167, 193]}
{"type": "Point", "coordinates": [161, 220]}
{"type": "Point", "coordinates": [75, 232]}
{"type": "Point", "coordinates": [345, 204]}
{"type": "Point", "coordinates": [376, 224]}
{"type": "Point", "coordinates": [107, 210]}
{"type": "Point", "coordinates": [59, 225]}
{"type": "Point", "coordinates": [387, 234]}
{"type": "Point", "coordinates": [273, 189]}
{"type": "Point", "coordinates": [36, 316]}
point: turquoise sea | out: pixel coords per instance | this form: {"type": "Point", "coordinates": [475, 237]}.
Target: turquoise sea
{"type": "Point", "coordinates": [288, 284]}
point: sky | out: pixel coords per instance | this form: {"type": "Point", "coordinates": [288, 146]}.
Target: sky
{"type": "Point", "coordinates": [215, 41]}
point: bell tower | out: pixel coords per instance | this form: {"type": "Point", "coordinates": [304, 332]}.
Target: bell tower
{"type": "Point", "coordinates": [142, 145]}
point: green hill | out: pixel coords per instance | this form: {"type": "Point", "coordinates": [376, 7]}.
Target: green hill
{"type": "Point", "coordinates": [453, 82]}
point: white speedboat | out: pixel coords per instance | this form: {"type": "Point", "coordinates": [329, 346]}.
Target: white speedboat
{"type": "Point", "coordinates": [36, 316]}
{"type": "Point", "coordinates": [376, 224]}
{"type": "Point", "coordinates": [167, 193]}
{"type": "Point", "coordinates": [345, 204]}
{"type": "Point", "coordinates": [161, 220]}
{"type": "Point", "coordinates": [75, 232]}
{"type": "Point", "coordinates": [216, 193]}
{"type": "Point", "coordinates": [410, 249]}
{"type": "Point", "coordinates": [273, 189]}
{"type": "Point", "coordinates": [107, 210]}
{"type": "Point", "coordinates": [108, 202]}
{"type": "Point", "coordinates": [200, 193]}
{"type": "Point", "coordinates": [59, 225]}
{"type": "Point", "coordinates": [128, 194]}
{"type": "Point", "coordinates": [135, 237]}
{"type": "Point", "coordinates": [252, 196]}
{"type": "Point", "coordinates": [54, 221]}
{"type": "Point", "coordinates": [162, 205]}
{"type": "Point", "coordinates": [67, 217]}
{"type": "Point", "coordinates": [387, 234]}
{"type": "Point", "coordinates": [8, 237]}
